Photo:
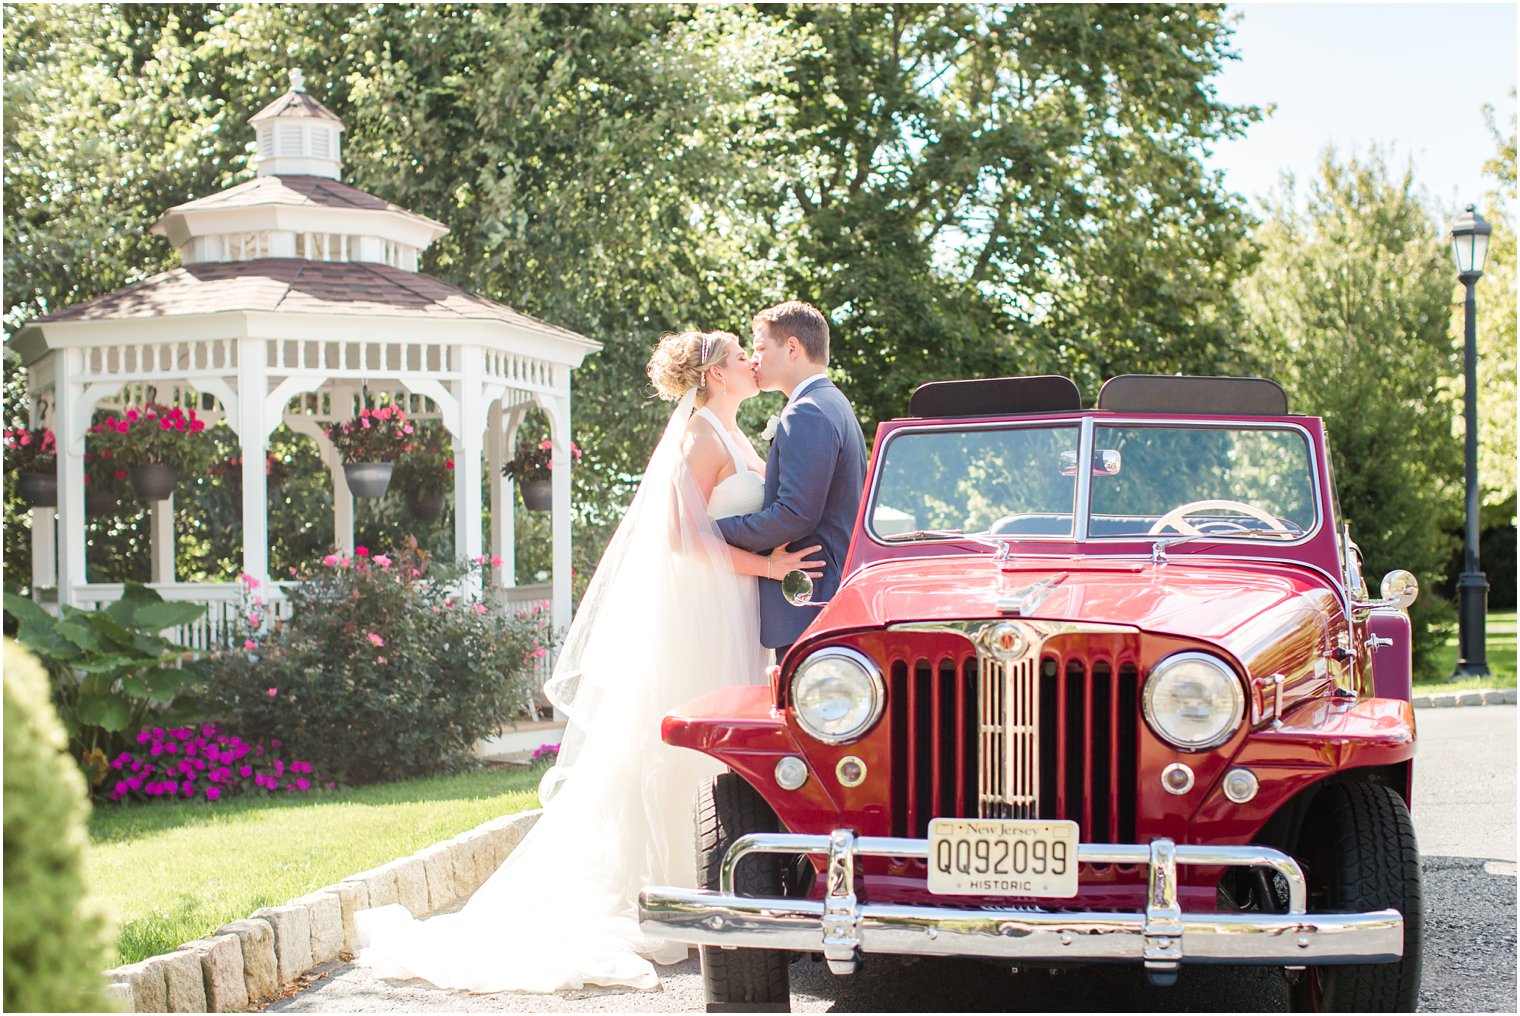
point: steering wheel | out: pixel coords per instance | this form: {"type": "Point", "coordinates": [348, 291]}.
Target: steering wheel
{"type": "Point", "coordinates": [1175, 517]}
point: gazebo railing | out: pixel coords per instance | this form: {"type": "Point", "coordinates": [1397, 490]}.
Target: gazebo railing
{"type": "Point", "coordinates": [224, 600]}
{"type": "Point", "coordinates": [525, 598]}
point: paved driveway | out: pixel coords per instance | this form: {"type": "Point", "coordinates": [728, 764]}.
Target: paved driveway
{"type": "Point", "coordinates": [1465, 817]}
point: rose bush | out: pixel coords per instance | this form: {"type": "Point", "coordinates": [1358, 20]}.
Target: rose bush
{"type": "Point", "coordinates": [389, 666]}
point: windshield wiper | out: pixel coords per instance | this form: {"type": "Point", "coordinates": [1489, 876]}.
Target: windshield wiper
{"type": "Point", "coordinates": [925, 534]}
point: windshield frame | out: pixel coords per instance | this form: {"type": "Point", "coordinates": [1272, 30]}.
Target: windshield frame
{"type": "Point", "coordinates": [1088, 423]}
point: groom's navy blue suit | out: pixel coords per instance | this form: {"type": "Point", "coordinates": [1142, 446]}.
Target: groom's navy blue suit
{"type": "Point", "coordinates": [814, 473]}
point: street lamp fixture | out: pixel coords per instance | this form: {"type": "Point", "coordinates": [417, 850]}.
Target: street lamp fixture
{"type": "Point", "coordinates": [1469, 247]}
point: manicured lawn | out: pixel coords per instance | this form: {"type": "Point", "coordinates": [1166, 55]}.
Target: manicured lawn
{"type": "Point", "coordinates": [1499, 628]}
{"type": "Point", "coordinates": [172, 871]}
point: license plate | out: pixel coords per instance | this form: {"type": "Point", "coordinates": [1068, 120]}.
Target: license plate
{"type": "Point", "coordinates": [1002, 857]}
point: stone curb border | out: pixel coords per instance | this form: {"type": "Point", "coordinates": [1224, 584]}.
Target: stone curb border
{"type": "Point", "coordinates": [1503, 696]}
{"type": "Point", "coordinates": [246, 962]}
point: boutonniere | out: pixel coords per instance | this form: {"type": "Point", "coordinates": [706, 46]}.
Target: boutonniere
{"type": "Point", "coordinates": [769, 433]}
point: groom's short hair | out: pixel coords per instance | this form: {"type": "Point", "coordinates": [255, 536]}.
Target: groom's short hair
{"type": "Point", "coordinates": [803, 320]}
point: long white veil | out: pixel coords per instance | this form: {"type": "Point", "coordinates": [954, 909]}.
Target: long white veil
{"type": "Point", "coordinates": [664, 620]}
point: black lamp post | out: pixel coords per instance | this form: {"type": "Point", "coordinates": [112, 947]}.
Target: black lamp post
{"type": "Point", "coordinates": [1469, 245]}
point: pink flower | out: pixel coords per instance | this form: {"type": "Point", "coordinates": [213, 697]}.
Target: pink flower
{"type": "Point", "coordinates": [366, 423]}
{"type": "Point", "coordinates": [245, 771]}
{"type": "Point", "coordinates": [376, 639]}
{"type": "Point", "coordinates": [407, 429]}
{"type": "Point", "coordinates": [382, 560]}
{"type": "Point", "coordinates": [480, 608]}
{"type": "Point", "coordinates": [449, 464]}
{"type": "Point", "coordinates": [362, 551]}
{"type": "Point", "coordinates": [379, 659]}
{"type": "Point", "coordinates": [212, 793]}
{"type": "Point", "coordinates": [250, 644]}
{"type": "Point", "coordinates": [496, 559]}
{"type": "Point", "coordinates": [302, 783]}
{"type": "Point", "coordinates": [330, 560]}
{"type": "Point", "coordinates": [248, 580]}
{"type": "Point", "coordinates": [131, 415]}
{"type": "Point", "coordinates": [272, 692]}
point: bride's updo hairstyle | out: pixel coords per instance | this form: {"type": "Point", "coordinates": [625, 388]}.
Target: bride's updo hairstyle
{"type": "Point", "coordinates": [682, 359]}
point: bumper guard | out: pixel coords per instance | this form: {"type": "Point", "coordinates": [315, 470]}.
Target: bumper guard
{"type": "Point", "coordinates": [1162, 937]}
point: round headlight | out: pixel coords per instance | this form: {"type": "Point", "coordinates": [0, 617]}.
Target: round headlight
{"type": "Point", "coordinates": [838, 694]}
{"type": "Point", "coordinates": [1193, 701]}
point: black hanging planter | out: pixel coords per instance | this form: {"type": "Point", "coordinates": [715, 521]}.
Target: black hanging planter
{"type": "Point", "coordinates": [424, 505]}
{"type": "Point", "coordinates": [537, 495]}
{"type": "Point", "coordinates": [368, 479]}
{"type": "Point", "coordinates": [152, 481]}
{"type": "Point", "coordinates": [40, 490]}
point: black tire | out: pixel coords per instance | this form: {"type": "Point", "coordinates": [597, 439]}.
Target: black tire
{"type": "Point", "coordinates": [1360, 854]}
{"type": "Point", "coordinates": [740, 980]}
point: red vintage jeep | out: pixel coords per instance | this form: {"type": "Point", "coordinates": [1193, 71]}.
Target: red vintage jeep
{"type": "Point", "coordinates": [1140, 710]}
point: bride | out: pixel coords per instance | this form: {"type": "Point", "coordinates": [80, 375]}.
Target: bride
{"type": "Point", "coordinates": [669, 615]}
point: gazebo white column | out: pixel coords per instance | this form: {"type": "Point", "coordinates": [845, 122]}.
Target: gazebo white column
{"type": "Point", "coordinates": [73, 416]}
{"type": "Point", "coordinates": [498, 448]}
{"type": "Point", "coordinates": [469, 447]}
{"type": "Point", "coordinates": [161, 542]}
{"type": "Point", "coordinates": [557, 407]}
{"type": "Point", "coordinates": [253, 428]}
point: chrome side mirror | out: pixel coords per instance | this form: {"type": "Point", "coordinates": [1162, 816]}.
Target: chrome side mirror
{"type": "Point", "coordinates": [797, 589]}
{"type": "Point", "coordinates": [1400, 589]}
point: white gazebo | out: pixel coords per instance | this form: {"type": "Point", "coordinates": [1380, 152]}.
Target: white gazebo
{"type": "Point", "coordinates": [296, 294]}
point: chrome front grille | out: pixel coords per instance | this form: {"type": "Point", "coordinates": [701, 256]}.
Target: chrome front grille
{"type": "Point", "coordinates": [1010, 738]}
{"type": "Point", "coordinates": [1049, 732]}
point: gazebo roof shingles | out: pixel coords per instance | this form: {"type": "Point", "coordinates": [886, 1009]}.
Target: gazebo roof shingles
{"type": "Point", "coordinates": [297, 286]}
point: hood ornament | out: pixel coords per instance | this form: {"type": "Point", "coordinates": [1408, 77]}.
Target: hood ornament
{"type": "Point", "coordinates": [1028, 599]}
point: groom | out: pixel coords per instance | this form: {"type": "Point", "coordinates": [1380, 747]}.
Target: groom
{"type": "Point", "coordinates": [815, 469]}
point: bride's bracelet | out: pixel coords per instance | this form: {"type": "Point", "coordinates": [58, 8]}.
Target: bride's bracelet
{"type": "Point", "coordinates": [768, 567]}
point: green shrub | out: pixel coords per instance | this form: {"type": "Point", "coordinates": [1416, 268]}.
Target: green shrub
{"type": "Point", "coordinates": [55, 934]}
{"type": "Point", "coordinates": [384, 670]}
{"type": "Point", "coordinates": [111, 670]}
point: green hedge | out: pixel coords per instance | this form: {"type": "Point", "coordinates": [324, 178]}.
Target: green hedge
{"type": "Point", "coordinates": [55, 934]}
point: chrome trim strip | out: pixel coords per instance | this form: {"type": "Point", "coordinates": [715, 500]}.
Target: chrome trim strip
{"type": "Point", "coordinates": [1081, 513]}
{"type": "Point", "coordinates": [1161, 938]}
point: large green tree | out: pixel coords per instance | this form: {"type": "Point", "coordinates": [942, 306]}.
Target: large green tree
{"type": "Point", "coordinates": [1350, 308]}
{"type": "Point", "coordinates": [1004, 189]}
{"type": "Point", "coordinates": [966, 190]}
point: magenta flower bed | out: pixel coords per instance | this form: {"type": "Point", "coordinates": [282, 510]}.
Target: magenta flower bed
{"type": "Point", "coordinates": [205, 764]}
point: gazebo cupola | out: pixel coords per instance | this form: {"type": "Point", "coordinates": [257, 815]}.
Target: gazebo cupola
{"type": "Point", "coordinates": [298, 205]}
{"type": "Point", "coordinates": [298, 136]}
{"type": "Point", "coordinates": [298, 300]}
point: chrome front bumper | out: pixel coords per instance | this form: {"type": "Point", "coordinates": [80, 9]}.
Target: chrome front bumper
{"type": "Point", "coordinates": [841, 928]}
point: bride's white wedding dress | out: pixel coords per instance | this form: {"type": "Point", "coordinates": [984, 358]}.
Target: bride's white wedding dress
{"type": "Point", "coordinates": [664, 620]}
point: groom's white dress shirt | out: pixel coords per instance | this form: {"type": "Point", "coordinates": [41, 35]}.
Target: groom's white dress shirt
{"type": "Point", "coordinates": [805, 384]}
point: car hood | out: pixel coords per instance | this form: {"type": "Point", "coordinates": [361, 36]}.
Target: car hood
{"type": "Point", "coordinates": [1241, 607]}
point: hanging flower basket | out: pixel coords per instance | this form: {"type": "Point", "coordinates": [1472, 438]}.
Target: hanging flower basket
{"type": "Point", "coordinates": [152, 481]}
{"type": "Point", "coordinates": [368, 479]}
{"type": "Point", "coordinates": [537, 495]}
{"type": "Point", "coordinates": [424, 505]}
{"type": "Point", "coordinates": [40, 490]}
{"type": "Point", "coordinates": [33, 456]}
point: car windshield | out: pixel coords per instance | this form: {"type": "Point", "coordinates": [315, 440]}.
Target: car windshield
{"type": "Point", "coordinates": [1020, 482]}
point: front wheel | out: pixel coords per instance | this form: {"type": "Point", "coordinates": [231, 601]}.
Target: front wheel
{"type": "Point", "coordinates": [1359, 854]}
{"type": "Point", "coordinates": [740, 980]}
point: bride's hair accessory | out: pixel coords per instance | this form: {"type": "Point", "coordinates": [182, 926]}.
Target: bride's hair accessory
{"type": "Point", "coordinates": [682, 359]}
